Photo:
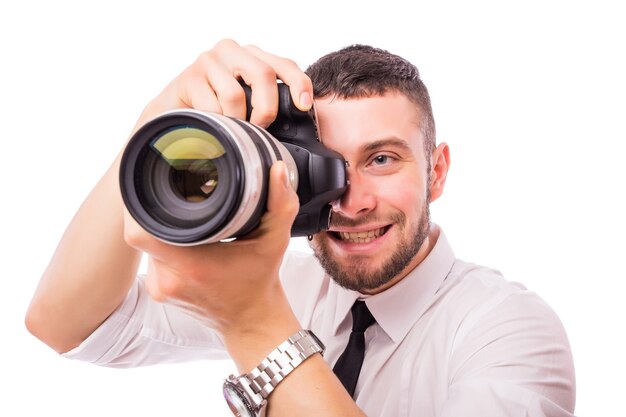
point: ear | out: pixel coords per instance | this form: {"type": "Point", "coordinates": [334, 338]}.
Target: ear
{"type": "Point", "coordinates": [439, 170]}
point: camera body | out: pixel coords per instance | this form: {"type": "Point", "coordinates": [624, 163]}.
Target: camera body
{"type": "Point", "coordinates": [321, 172]}
{"type": "Point", "coordinates": [190, 177]}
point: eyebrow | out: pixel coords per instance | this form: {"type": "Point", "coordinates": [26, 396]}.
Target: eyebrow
{"type": "Point", "coordinates": [385, 142]}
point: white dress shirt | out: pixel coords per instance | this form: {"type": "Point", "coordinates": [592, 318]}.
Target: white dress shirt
{"type": "Point", "coordinates": [452, 339]}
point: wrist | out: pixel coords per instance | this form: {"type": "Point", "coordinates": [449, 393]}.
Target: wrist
{"type": "Point", "coordinates": [249, 343]}
{"type": "Point", "coordinates": [247, 394]}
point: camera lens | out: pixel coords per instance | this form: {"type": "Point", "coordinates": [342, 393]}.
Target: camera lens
{"type": "Point", "coordinates": [189, 177]}
{"type": "Point", "coordinates": [192, 157]}
{"type": "Point", "coordinates": [179, 174]}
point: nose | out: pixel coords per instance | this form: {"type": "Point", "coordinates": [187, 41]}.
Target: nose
{"type": "Point", "coordinates": [358, 200]}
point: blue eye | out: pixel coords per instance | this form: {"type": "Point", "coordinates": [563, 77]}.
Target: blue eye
{"type": "Point", "coordinates": [381, 159]}
{"type": "Point", "coordinates": [383, 163]}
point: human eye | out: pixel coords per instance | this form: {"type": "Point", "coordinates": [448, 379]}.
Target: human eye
{"type": "Point", "coordinates": [383, 163]}
{"type": "Point", "coordinates": [382, 160]}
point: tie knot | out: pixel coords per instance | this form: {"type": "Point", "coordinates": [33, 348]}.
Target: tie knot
{"type": "Point", "coordinates": [361, 317]}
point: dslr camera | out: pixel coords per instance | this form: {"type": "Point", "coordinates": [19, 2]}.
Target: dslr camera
{"type": "Point", "coordinates": [191, 177]}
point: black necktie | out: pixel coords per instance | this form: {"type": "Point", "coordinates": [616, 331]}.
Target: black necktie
{"type": "Point", "coordinates": [348, 365]}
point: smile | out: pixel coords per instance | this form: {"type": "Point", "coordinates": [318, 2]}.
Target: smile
{"type": "Point", "coordinates": [360, 237]}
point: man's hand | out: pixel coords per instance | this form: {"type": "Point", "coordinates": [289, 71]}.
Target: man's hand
{"type": "Point", "coordinates": [234, 286]}
{"type": "Point", "coordinates": [211, 84]}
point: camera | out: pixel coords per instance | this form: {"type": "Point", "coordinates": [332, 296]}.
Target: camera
{"type": "Point", "coordinates": [191, 177]}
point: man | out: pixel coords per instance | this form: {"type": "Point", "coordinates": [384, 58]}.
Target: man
{"type": "Point", "coordinates": [443, 337]}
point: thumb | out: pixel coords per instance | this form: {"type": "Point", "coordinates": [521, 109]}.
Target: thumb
{"type": "Point", "coordinates": [282, 208]}
{"type": "Point", "coordinates": [282, 200]}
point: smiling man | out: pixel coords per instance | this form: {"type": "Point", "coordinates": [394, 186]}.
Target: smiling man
{"type": "Point", "coordinates": [380, 227]}
{"type": "Point", "coordinates": [405, 328]}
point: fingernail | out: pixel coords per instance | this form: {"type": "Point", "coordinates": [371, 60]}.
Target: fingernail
{"type": "Point", "coordinates": [305, 100]}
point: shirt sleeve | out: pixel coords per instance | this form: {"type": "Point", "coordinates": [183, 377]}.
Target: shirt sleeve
{"type": "Point", "coordinates": [513, 360]}
{"type": "Point", "coordinates": [143, 332]}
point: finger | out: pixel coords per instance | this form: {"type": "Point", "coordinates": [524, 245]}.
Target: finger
{"type": "Point", "coordinates": [222, 84]}
{"type": "Point", "coordinates": [290, 73]}
{"type": "Point", "coordinates": [261, 77]}
{"type": "Point", "coordinates": [200, 96]}
{"type": "Point", "coordinates": [264, 102]}
{"type": "Point", "coordinates": [274, 229]}
{"type": "Point", "coordinates": [282, 200]}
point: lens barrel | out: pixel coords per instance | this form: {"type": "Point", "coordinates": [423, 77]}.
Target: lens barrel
{"type": "Point", "coordinates": [190, 177]}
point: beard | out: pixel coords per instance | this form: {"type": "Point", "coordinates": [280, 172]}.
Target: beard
{"type": "Point", "coordinates": [357, 274]}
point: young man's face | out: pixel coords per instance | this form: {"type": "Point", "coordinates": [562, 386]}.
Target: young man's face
{"type": "Point", "coordinates": [379, 228]}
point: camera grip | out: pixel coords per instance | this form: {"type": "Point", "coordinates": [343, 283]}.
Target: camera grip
{"type": "Point", "coordinates": [321, 172]}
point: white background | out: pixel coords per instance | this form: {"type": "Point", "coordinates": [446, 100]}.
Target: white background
{"type": "Point", "coordinates": [529, 95]}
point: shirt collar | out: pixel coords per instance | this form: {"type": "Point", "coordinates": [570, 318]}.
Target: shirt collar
{"type": "Point", "coordinates": [399, 307]}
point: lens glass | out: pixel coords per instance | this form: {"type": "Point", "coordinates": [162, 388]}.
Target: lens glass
{"type": "Point", "coordinates": [192, 156]}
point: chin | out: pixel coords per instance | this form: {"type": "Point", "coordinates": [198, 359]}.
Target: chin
{"type": "Point", "coordinates": [377, 262]}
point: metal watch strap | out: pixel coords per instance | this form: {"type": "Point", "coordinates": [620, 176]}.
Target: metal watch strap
{"type": "Point", "coordinates": [262, 380]}
{"type": "Point", "coordinates": [282, 360]}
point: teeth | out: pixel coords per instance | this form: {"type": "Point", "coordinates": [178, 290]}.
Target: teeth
{"type": "Point", "coordinates": [361, 237]}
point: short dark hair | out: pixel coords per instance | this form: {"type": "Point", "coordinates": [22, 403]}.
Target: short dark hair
{"type": "Point", "coordinates": [363, 71]}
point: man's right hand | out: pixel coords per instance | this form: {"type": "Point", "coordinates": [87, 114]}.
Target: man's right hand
{"type": "Point", "coordinates": [93, 266]}
{"type": "Point", "coordinates": [212, 83]}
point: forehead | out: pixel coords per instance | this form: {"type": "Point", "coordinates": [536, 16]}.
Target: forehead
{"type": "Point", "coordinates": [350, 125]}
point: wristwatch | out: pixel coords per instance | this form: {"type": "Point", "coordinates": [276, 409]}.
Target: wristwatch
{"type": "Point", "coordinates": [246, 395]}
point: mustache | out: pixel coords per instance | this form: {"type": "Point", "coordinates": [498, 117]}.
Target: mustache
{"type": "Point", "coordinates": [338, 220]}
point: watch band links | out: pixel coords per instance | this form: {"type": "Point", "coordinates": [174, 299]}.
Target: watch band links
{"type": "Point", "coordinates": [247, 394]}
{"type": "Point", "coordinates": [282, 360]}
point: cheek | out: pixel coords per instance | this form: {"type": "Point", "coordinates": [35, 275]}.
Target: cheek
{"type": "Point", "coordinates": [406, 194]}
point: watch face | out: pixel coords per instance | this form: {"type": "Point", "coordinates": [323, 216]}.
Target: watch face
{"type": "Point", "coordinates": [236, 401]}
